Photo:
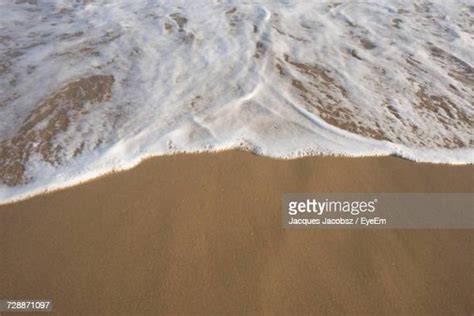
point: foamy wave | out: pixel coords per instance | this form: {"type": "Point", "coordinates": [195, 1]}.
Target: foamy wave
{"type": "Point", "coordinates": [87, 87]}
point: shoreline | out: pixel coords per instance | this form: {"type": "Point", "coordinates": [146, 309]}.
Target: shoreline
{"type": "Point", "coordinates": [202, 234]}
{"type": "Point", "coordinates": [100, 175]}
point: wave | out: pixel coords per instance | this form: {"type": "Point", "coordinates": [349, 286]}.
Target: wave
{"type": "Point", "coordinates": [87, 87]}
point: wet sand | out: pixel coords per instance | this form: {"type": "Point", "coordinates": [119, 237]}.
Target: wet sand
{"type": "Point", "coordinates": [201, 234]}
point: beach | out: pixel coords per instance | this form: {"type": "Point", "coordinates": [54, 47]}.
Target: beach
{"type": "Point", "coordinates": [202, 234]}
{"type": "Point", "coordinates": [148, 149]}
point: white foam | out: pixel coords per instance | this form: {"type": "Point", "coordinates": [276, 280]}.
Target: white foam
{"type": "Point", "coordinates": [202, 88]}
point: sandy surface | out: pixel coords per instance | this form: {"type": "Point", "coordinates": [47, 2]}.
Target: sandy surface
{"type": "Point", "coordinates": [201, 234]}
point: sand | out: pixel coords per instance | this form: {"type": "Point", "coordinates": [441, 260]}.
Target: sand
{"type": "Point", "coordinates": [201, 234]}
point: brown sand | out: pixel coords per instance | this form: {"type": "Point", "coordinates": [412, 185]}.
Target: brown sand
{"type": "Point", "coordinates": [201, 234]}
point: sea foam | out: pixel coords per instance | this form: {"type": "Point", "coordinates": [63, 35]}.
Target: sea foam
{"type": "Point", "coordinates": [88, 87]}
